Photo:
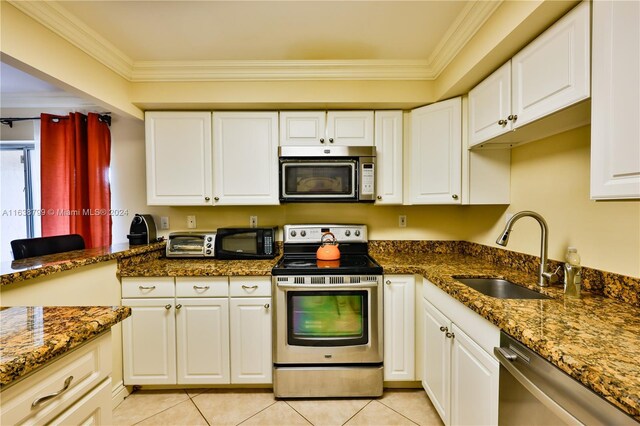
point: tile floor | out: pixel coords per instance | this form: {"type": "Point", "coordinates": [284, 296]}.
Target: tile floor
{"type": "Point", "coordinates": [259, 407]}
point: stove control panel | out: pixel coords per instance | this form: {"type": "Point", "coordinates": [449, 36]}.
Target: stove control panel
{"type": "Point", "coordinates": [313, 233]}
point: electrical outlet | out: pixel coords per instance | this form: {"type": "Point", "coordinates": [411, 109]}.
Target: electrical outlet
{"type": "Point", "coordinates": [253, 221]}
{"type": "Point", "coordinates": [164, 222]}
{"type": "Point", "coordinates": [191, 222]}
{"type": "Point", "coordinates": [402, 221]}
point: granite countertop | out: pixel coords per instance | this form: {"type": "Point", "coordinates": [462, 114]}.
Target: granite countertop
{"type": "Point", "coordinates": [24, 269]}
{"type": "Point", "coordinates": [594, 339]}
{"type": "Point", "coordinates": [30, 337]}
{"type": "Point", "coordinates": [163, 267]}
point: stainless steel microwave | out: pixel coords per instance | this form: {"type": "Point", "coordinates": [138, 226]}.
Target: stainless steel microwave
{"type": "Point", "coordinates": [327, 174]}
{"type": "Point", "coordinates": [246, 243]}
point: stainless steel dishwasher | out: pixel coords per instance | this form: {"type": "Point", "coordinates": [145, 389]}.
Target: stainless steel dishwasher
{"type": "Point", "coordinates": [535, 392]}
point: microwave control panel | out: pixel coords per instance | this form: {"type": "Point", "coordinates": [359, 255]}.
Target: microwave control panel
{"type": "Point", "coordinates": [368, 177]}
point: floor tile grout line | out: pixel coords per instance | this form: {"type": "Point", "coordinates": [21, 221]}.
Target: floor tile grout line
{"type": "Point", "coordinates": [356, 413]}
{"type": "Point", "coordinates": [198, 408]}
{"type": "Point", "coordinates": [299, 413]}
{"type": "Point", "coordinates": [161, 411]}
{"type": "Point", "coordinates": [398, 412]}
{"type": "Point", "coordinates": [256, 413]}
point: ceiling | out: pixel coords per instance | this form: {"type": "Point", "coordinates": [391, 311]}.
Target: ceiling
{"type": "Point", "coordinates": [220, 40]}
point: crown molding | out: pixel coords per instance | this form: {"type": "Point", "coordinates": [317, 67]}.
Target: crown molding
{"type": "Point", "coordinates": [56, 18]}
{"type": "Point", "coordinates": [146, 71]}
{"type": "Point", "coordinates": [43, 100]}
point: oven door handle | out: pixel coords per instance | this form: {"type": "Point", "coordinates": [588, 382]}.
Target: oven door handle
{"type": "Point", "coordinates": [507, 359]}
{"type": "Point", "coordinates": [325, 286]}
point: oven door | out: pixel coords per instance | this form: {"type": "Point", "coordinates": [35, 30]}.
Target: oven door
{"type": "Point", "coordinates": [318, 180]}
{"type": "Point", "coordinates": [327, 323]}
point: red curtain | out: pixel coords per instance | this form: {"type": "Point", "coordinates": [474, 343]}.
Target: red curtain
{"type": "Point", "coordinates": [75, 158]}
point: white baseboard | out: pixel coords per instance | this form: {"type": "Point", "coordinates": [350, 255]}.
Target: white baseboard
{"type": "Point", "coordinates": [119, 393]}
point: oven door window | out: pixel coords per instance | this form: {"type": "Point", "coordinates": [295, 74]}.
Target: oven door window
{"type": "Point", "coordinates": [319, 179]}
{"type": "Point", "coordinates": [327, 318]}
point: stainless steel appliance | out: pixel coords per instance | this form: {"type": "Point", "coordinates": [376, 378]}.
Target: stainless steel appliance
{"type": "Point", "coordinates": [535, 392]}
{"type": "Point", "coordinates": [191, 244]}
{"type": "Point", "coordinates": [246, 243]}
{"type": "Point", "coordinates": [143, 230]}
{"type": "Point", "coordinates": [327, 174]}
{"type": "Point", "coordinates": [327, 318]}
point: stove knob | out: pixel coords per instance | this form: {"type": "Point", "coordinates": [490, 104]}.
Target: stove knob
{"type": "Point", "coordinates": [347, 232]}
{"type": "Point", "coordinates": [208, 245]}
{"type": "Point", "coordinates": [209, 239]}
{"type": "Point", "coordinates": [208, 251]}
{"type": "Point", "coordinates": [303, 233]}
{"type": "Point", "coordinates": [357, 233]}
{"type": "Point", "coordinates": [293, 233]}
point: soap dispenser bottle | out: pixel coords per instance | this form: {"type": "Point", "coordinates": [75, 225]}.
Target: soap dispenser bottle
{"type": "Point", "coordinates": [572, 273]}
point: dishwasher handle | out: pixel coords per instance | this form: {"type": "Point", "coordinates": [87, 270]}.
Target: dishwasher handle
{"type": "Point", "coordinates": [509, 360]}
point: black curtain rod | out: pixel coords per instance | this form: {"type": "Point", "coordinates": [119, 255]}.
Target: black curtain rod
{"type": "Point", "coordinates": [105, 118]}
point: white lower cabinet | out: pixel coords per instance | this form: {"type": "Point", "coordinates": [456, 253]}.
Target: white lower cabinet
{"type": "Point", "coordinates": [399, 327]}
{"type": "Point", "coordinates": [75, 389]}
{"type": "Point", "coordinates": [202, 336]}
{"type": "Point", "coordinates": [460, 375]}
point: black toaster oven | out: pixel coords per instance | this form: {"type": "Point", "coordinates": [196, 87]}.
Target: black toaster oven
{"type": "Point", "coordinates": [246, 243]}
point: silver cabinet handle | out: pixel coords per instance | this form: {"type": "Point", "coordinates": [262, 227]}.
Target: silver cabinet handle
{"type": "Point", "coordinates": [178, 306]}
{"type": "Point", "coordinates": [443, 328]}
{"type": "Point", "coordinates": [266, 306]}
{"type": "Point", "coordinates": [454, 196]}
{"type": "Point", "coordinates": [201, 287]}
{"type": "Point", "coordinates": [42, 399]}
{"type": "Point", "coordinates": [207, 198]}
{"type": "Point", "coordinates": [249, 287]}
{"type": "Point", "coordinates": [167, 307]}
{"type": "Point", "coordinates": [450, 335]}
{"type": "Point", "coordinates": [151, 287]}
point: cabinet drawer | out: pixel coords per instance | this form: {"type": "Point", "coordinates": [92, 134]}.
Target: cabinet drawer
{"type": "Point", "coordinates": [249, 286]}
{"type": "Point", "coordinates": [93, 409]}
{"type": "Point", "coordinates": [88, 366]}
{"type": "Point", "coordinates": [148, 287]}
{"type": "Point", "coordinates": [202, 287]}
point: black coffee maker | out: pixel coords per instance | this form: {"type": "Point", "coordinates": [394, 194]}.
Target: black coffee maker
{"type": "Point", "coordinates": [143, 230]}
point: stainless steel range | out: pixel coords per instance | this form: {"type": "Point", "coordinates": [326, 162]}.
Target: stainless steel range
{"type": "Point", "coordinates": [327, 327]}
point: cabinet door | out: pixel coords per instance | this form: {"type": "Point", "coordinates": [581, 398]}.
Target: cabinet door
{"type": "Point", "coordinates": [245, 155]}
{"type": "Point", "coordinates": [202, 340]}
{"type": "Point", "coordinates": [149, 342]}
{"type": "Point", "coordinates": [302, 128]}
{"type": "Point", "coordinates": [437, 355]}
{"type": "Point", "coordinates": [251, 360]}
{"type": "Point", "coordinates": [388, 138]}
{"type": "Point", "coordinates": [436, 153]}
{"type": "Point", "coordinates": [615, 104]}
{"type": "Point", "coordinates": [553, 71]}
{"type": "Point", "coordinates": [399, 327]}
{"type": "Point", "coordinates": [350, 128]}
{"type": "Point", "coordinates": [474, 383]}
{"type": "Point", "coordinates": [178, 154]}
{"type": "Point", "coordinates": [490, 106]}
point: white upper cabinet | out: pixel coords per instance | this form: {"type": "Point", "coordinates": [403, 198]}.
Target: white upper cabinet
{"type": "Point", "coordinates": [543, 80]}
{"type": "Point", "coordinates": [388, 138]}
{"type": "Point", "coordinates": [302, 127]}
{"type": "Point", "coordinates": [245, 157]}
{"type": "Point", "coordinates": [435, 153]}
{"type": "Point", "coordinates": [178, 157]}
{"type": "Point", "coordinates": [615, 109]}
{"type": "Point", "coordinates": [345, 128]}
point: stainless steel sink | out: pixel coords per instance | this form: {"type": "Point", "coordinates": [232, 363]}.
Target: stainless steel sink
{"type": "Point", "coordinates": [501, 289]}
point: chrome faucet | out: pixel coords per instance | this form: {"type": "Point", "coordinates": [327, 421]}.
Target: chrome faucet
{"type": "Point", "coordinates": [546, 277]}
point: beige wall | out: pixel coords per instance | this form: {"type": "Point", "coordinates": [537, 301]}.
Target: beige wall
{"type": "Point", "coordinates": [551, 177]}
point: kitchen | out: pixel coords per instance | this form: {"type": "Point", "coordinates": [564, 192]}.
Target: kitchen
{"type": "Point", "coordinates": [560, 163]}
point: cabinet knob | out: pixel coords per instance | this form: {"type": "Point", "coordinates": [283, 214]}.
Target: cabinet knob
{"type": "Point", "coordinates": [167, 307]}
{"type": "Point", "coordinates": [388, 282]}
{"type": "Point", "coordinates": [266, 306]}
{"type": "Point", "coordinates": [443, 328]}
{"type": "Point", "coordinates": [321, 140]}
{"type": "Point", "coordinates": [454, 196]}
{"type": "Point", "coordinates": [450, 335]}
{"type": "Point", "coordinates": [379, 197]}
{"type": "Point", "coordinates": [502, 123]}
{"type": "Point", "coordinates": [207, 198]}
{"type": "Point", "coordinates": [512, 117]}
{"type": "Point", "coordinates": [216, 199]}
{"type": "Point", "coordinates": [330, 140]}
{"type": "Point", "coordinates": [178, 306]}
